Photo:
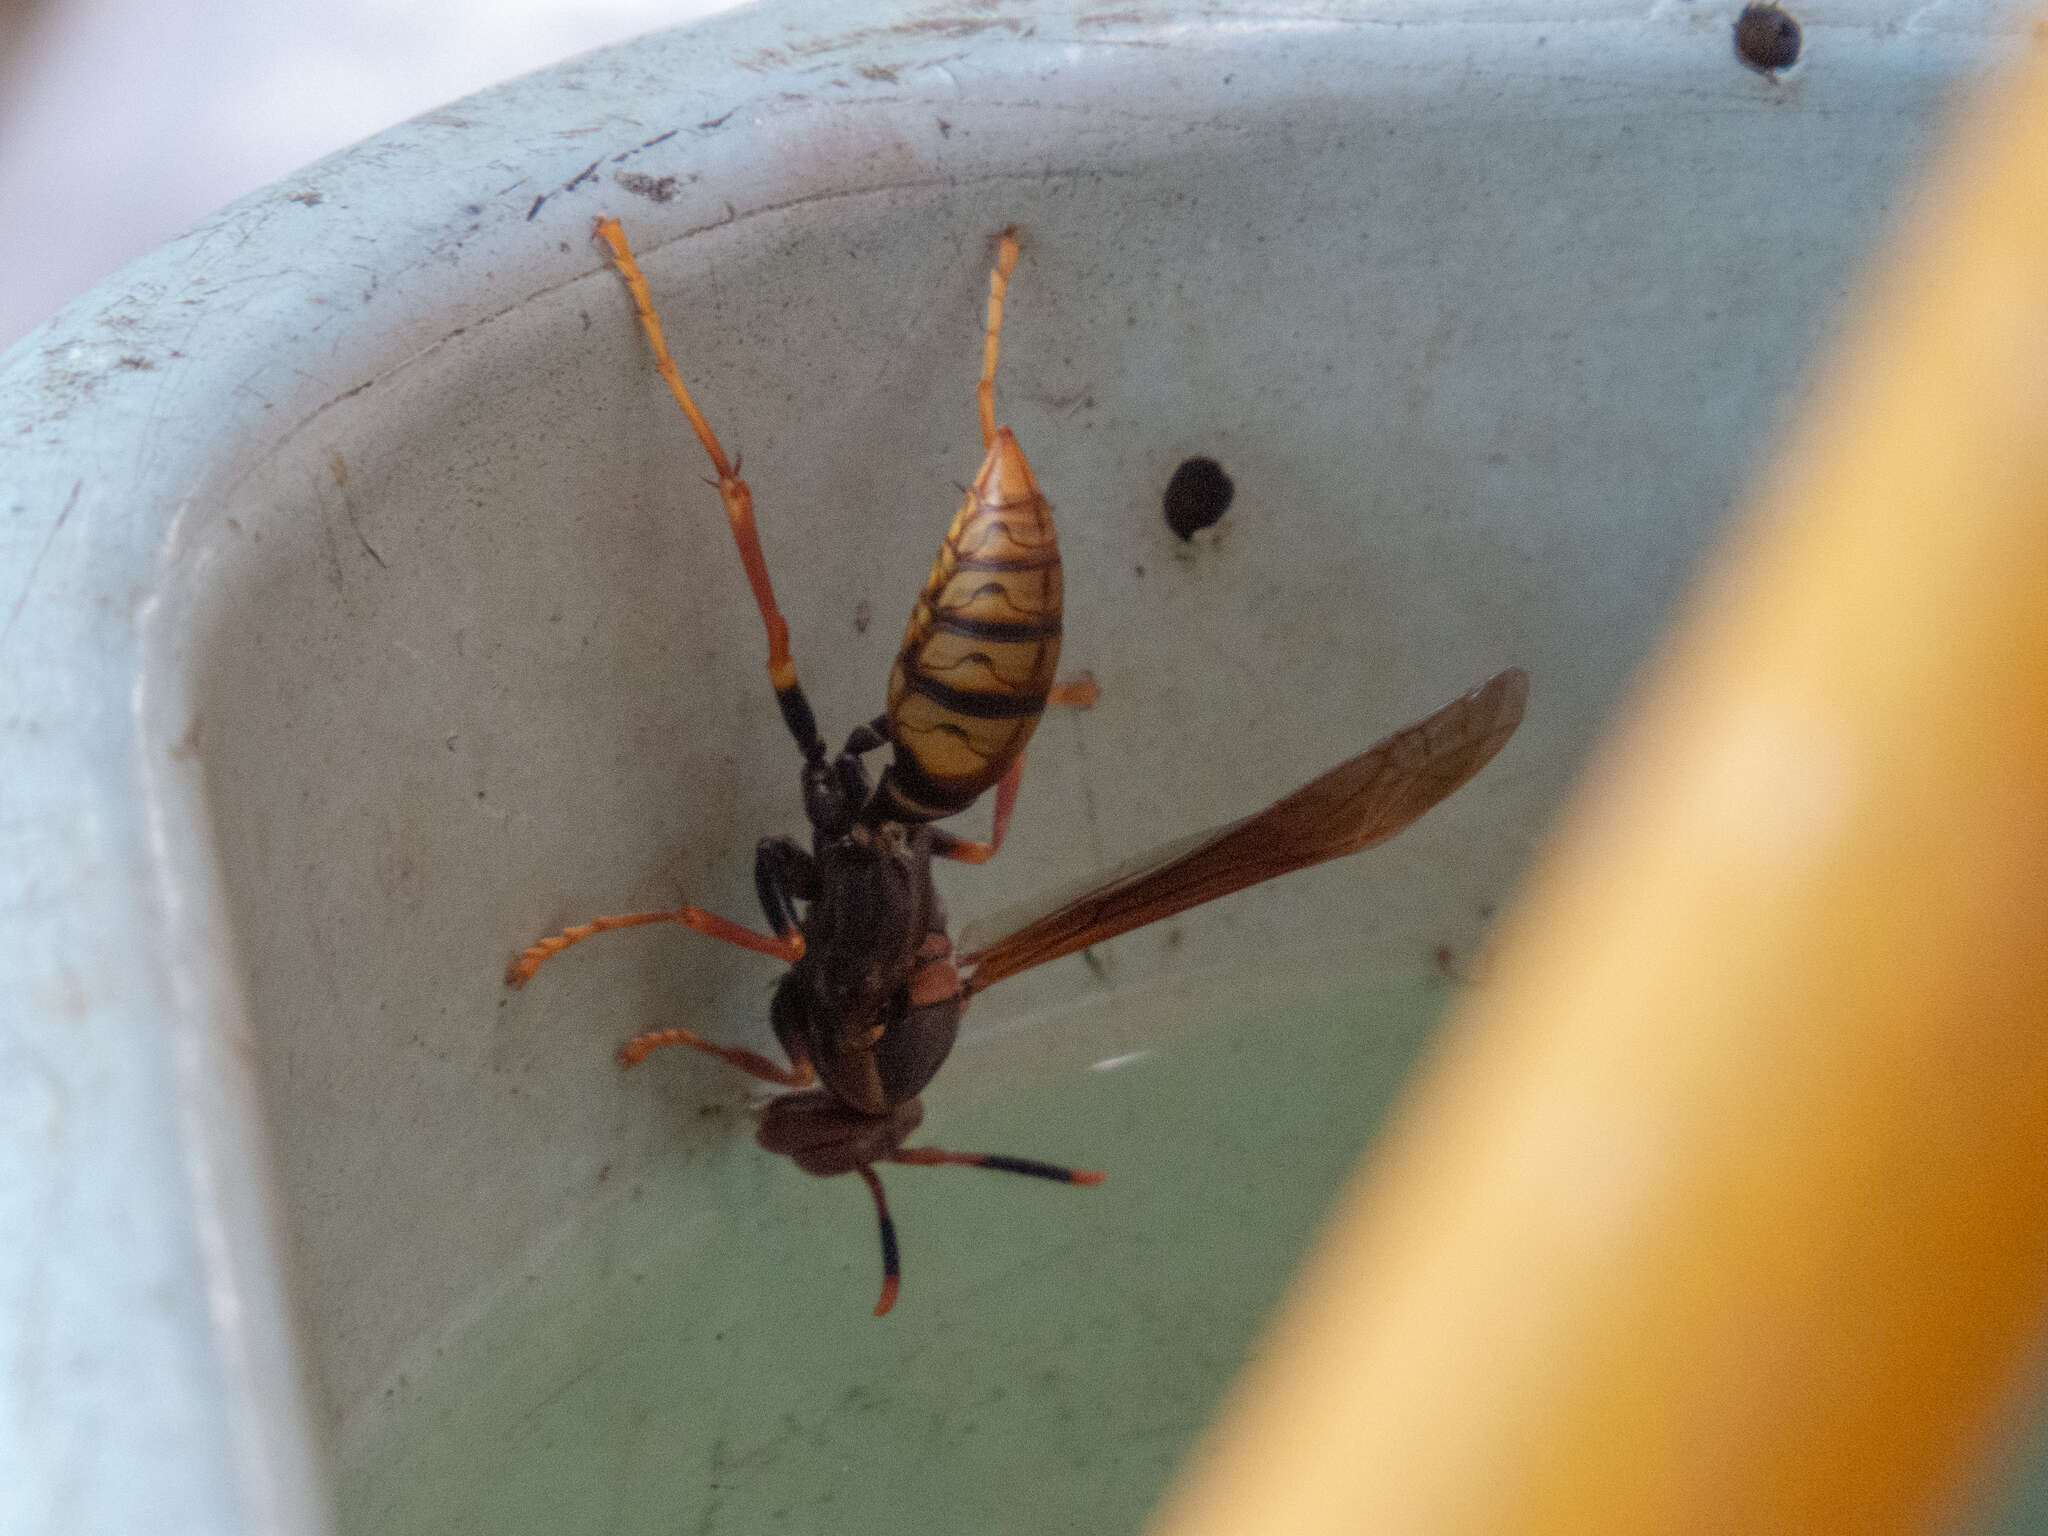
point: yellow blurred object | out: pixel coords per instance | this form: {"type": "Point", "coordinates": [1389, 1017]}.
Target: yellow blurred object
{"type": "Point", "coordinates": [1725, 1206]}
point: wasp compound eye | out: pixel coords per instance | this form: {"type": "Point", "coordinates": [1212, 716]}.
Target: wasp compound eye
{"type": "Point", "coordinates": [1197, 496]}
{"type": "Point", "coordinates": [1766, 39]}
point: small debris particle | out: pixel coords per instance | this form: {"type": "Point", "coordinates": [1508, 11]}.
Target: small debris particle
{"type": "Point", "coordinates": [656, 189]}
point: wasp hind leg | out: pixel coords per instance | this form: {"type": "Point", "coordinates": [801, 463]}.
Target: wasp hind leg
{"type": "Point", "coordinates": [738, 500]}
{"type": "Point", "coordinates": [967, 851]}
{"type": "Point", "coordinates": [991, 344]}
{"type": "Point", "coordinates": [1078, 692]}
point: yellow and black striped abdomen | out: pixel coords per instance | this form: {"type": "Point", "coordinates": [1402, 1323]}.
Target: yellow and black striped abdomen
{"type": "Point", "coordinates": [982, 647]}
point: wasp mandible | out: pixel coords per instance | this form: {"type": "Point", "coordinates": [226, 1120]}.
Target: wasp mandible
{"type": "Point", "coordinates": [871, 1004]}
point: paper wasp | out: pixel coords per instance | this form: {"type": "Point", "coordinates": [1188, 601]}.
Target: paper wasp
{"type": "Point", "coordinates": [872, 1000]}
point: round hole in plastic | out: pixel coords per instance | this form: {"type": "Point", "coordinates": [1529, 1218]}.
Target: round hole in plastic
{"type": "Point", "coordinates": [1197, 496]}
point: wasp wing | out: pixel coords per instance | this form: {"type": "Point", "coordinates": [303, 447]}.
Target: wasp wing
{"type": "Point", "coordinates": [1354, 805]}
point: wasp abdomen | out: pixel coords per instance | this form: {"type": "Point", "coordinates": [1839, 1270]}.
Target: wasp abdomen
{"type": "Point", "coordinates": [982, 646]}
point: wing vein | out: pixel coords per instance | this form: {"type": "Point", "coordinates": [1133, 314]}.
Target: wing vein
{"type": "Point", "coordinates": [1363, 801]}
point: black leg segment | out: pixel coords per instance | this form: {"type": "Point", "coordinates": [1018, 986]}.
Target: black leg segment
{"type": "Point", "coordinates": [784, 874]}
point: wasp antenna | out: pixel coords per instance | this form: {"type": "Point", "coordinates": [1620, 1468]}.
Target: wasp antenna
{"type": "Point", "coordinates": [892, 1268]}
{"type": "Point", "coordinates": [933, 1157]}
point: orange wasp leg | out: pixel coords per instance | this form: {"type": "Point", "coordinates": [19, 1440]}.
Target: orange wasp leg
{"type": "Point", "coordinates": [733, 491]}
{"type": "Point", "coordinates": [946, 846]}
{"type": "Point", "coordinates": [753, 1063]}
{"type": "Point", "coordinates": [789, 947]}
{"type": "Point", "coordinates": [1079, 692]}
{"type": "Point", "coordinates": [998, 287]}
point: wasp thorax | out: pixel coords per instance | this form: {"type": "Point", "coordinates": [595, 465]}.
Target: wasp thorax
{"type": "Point", "coordinates": [861, 926]}
{"type": "Point", "coordinates": [834, 793]}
